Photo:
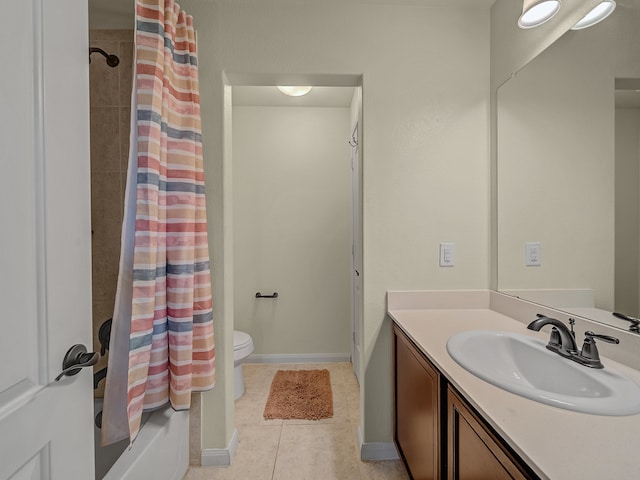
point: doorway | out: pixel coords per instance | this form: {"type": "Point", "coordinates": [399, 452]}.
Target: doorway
{"type": "Point", "coordinates": [294, 230]}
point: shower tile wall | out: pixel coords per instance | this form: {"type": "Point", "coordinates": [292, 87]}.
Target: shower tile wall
{"type": "Point", "coordinates": [110, 91]}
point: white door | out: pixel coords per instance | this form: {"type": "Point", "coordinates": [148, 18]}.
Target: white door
{"type": "Point", "coordinates": [356, 251]}
{"type": "Point", "coordinates": [46, 429]}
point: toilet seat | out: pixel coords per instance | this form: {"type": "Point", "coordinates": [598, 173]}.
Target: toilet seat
{"type": "Point", "coordinates": [242, 348]}
{"type": "Point", "coordinates": [242, 345]}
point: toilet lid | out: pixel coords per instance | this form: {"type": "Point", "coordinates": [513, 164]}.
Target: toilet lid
{"type": "Point", "coordinates": [240, 339]}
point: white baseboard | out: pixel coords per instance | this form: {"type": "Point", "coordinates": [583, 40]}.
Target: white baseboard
{"type": "Point", "coordinates": [220, 457]}
{"type": "Point", "coordinates": [375, 451]}
{"type": "Point", "coordinates": [298, 358]}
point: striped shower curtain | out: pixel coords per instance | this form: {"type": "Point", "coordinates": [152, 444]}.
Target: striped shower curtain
{"type": "Point", "coordinates": [162, 346]}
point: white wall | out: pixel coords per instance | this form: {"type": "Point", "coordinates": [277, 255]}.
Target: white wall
{"type": "Point", "coordinates": [425, 151]}
{"type": "Point", "coordinates": [627, 248]}
{"type": "Point", "coordinates": [292, 228]}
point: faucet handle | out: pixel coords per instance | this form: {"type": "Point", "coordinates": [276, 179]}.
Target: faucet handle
{"type": "Point", "coordinates": [635, 322]}
{"type": "Point", "coordinates": [604, 338]}
{"type": "Point", "coordinates": [572, 322]}
{"type": "Point", "coordinates": [589, 354]}
{"type": "Point", "coordinates": [555, 339]}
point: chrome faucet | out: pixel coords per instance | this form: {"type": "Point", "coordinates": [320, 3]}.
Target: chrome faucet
{"type": "Point", "coordinates": [563, 341]}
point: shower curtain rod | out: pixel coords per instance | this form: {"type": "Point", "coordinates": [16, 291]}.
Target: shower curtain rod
{"type": "Point", "coordinates": [112, 60]}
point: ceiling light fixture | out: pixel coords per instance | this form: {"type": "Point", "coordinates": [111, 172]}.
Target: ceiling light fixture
{"type": "Point", "coordinates": [596, 15]}
{"type": "Point", "coordinates": [536, 12]}
{"type": "Point", "coordinates": [296, 91]}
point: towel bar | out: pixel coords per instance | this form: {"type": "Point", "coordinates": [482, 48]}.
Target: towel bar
{"type": "Point", "coordinates": [259, 295]}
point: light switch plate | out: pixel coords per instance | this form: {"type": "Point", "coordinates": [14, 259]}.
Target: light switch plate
{"type": "Point", "coordinates": [447, 254]}
{"type": "Point", "coordinates": [533, 254]}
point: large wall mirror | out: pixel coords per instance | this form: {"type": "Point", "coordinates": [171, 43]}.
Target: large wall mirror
{"type": "Point", "coordinates": [568, 156]}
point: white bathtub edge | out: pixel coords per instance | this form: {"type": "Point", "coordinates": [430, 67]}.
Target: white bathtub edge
{"type": "Point", "coordinates": [220, 457]}
{"type": "Point", "coordinates": [161, 450]}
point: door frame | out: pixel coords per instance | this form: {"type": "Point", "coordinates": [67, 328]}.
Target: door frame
{"type": "Point", "coordinates": [357, 275]}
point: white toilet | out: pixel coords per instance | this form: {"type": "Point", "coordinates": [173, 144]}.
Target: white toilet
{"type": "Point", "coordinates": [242, 348]}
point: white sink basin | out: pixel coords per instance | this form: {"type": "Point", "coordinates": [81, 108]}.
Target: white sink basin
{"type": "Point", "coordinates": [522, 365]}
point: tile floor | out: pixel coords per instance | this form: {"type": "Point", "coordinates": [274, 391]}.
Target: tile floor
{"type": "Point", "coordinates": [298, 449]}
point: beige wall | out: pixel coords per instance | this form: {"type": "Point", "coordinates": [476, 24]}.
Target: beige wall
{"type": "Point", "coordinates": [425, 152]}
{"type": "Point", "coordinates": [292, 228]}
{"type": "Point", "coordinates": [110, 97]}
{"type": "Point", "coordinates": [627, 247]}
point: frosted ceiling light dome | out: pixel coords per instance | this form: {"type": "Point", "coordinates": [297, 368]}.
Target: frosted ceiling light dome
{"type": "Point", "coordinates": [536, 12]}
{"type": "Point", "coordinates": [599, 13]}
{"type": "Point", "coordinates": [296, 91]}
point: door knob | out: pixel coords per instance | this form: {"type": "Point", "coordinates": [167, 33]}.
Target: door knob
{"type": "Point", "coordinates": [75, 359]}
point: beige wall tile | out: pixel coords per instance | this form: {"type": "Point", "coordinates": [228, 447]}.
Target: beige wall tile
{"type": "Point", "coordinates": [105, 198]}
{"type": "Point", "coordinates": [110, 110]}
{"type": "Point", "coordinates": [103, 79]}
{"type": "Point", "coordinates": [112, 35]}
{"type": "Point", "coordinates": [125, 131]}
{"type": "Point", "coordinates": [105, 139]}
{"type": "Point", "coordinates": [105, 278]}
{"type": "Point", "coordinates": [102, 311]}
{"type": "Point", "coordinates": [125, 72]}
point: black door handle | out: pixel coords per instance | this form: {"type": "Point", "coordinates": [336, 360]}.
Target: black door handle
{"type": "Point", "coordinates": [76, 359]}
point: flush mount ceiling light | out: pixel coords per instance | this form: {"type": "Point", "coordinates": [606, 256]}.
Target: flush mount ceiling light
{"type": "Point", "coordinates": [536, 12]}
{"type": "Point", "coordinates": [599, 13]}
{"type": "Point", "coordinates": [296, 91]}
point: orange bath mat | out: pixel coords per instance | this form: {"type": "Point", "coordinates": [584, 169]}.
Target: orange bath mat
{"type": "Point", "coordinates": [300, 394]}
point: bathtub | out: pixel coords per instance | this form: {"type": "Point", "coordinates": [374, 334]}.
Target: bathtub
{"type": "Point", "coordinates": [161, 451]}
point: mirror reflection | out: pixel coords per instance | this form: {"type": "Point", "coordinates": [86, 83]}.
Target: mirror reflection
{"type": "Point", "coordinates": [568, 151]}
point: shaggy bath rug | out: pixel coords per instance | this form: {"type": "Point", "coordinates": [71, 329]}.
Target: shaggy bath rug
{"type": "Point", "coordinates": [300, 394]}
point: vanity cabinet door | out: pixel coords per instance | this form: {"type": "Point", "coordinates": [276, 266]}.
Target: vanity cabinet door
{"type": "Point", "coordinates": [416, 410]}
{"type": "Point", "coordinates": [474, 452]}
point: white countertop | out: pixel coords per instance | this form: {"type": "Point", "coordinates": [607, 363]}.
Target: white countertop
{"type": "Point", "coordinates": [557, 444]}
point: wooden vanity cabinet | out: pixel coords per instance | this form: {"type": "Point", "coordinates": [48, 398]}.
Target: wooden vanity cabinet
{"type": "Point", "coordinates": [474, 452]}
{"type": "Point", "coordinates": [437, 433]}
{"type": "Point", "coordinates": [417, 409]}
